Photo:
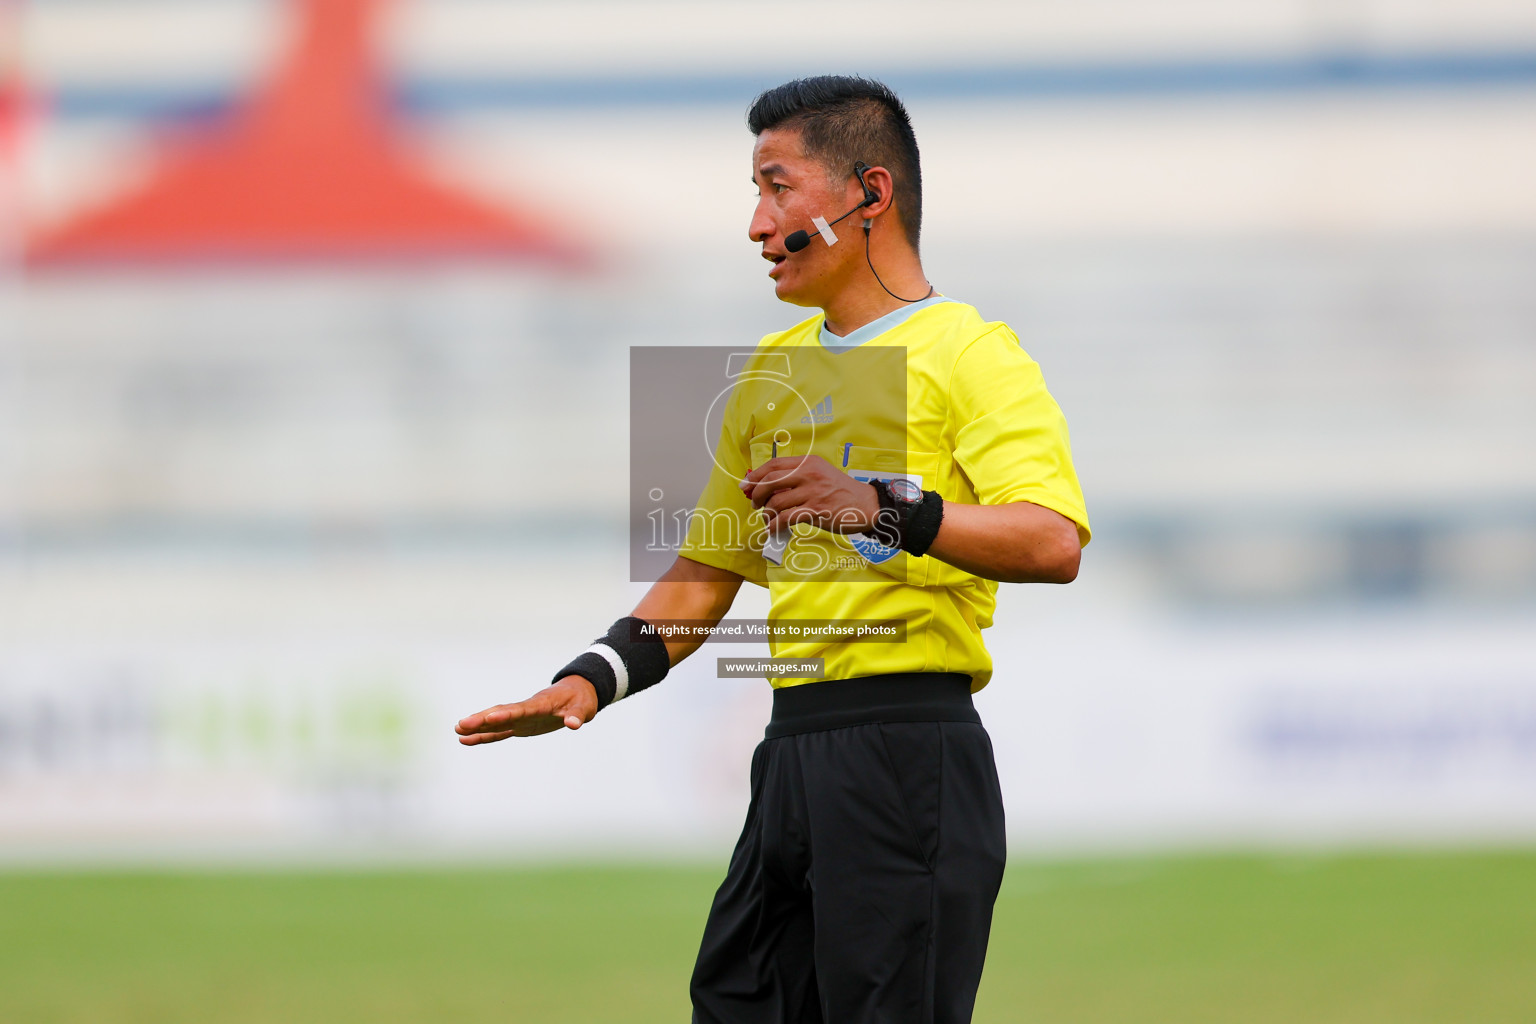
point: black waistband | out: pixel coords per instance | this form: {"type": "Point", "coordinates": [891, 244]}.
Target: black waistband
{"type": "Point", "coordinates": [899, 697]}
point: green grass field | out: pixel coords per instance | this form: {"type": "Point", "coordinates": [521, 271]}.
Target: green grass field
{"type": "Point", "coordinates": [1299, 940]}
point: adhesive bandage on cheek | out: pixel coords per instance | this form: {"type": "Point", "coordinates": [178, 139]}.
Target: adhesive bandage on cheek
{"type": "Point", "coordinates": [825, 229]}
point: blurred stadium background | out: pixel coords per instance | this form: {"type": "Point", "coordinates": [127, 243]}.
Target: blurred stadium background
{"type": "Point", "coordinates": [314, 327]}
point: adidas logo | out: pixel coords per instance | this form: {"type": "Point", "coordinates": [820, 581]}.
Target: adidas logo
{"type": "Point", "coordinates": [821, 414]}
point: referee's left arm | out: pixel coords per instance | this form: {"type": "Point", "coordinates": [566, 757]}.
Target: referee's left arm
{"type": "Point", "coordinates": [1012, 542]}
{"type": "Point", "coordinates": [1019, 542]}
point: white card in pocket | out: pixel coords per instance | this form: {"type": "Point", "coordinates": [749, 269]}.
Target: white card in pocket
{"type": "Point", "coordinates": [774, 546]}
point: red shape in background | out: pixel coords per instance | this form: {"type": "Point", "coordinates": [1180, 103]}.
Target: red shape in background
{"type": "Point", "coordinates": [308, 171]}
{"type": "Point", "coordinates": [12, 108]}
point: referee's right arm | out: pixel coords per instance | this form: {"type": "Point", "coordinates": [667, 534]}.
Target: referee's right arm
{"type": "Point", "coordinates": [689, 590]}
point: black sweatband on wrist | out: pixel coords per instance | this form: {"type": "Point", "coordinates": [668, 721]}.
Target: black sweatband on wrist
{"type": "Point", "coordinates": [595, 669]}
{"type": "Point", "coordinates": [923, 525]}
{"type": "Point", "coordinates": [629, 658]}
{"type": "Point", "coordinates": [910, 527]}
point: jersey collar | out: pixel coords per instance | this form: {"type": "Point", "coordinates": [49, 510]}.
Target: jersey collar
{"type": "Point", "coordinates": [895, 318]}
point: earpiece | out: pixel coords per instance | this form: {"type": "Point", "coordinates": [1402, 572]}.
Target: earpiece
{"type": "Point", "coordinates": [871, 197]}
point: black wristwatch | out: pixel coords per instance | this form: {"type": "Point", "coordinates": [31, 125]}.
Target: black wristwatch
{"type": "Point", "coordinates": [909, 516]}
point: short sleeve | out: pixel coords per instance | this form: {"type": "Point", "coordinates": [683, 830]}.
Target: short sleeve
{"type": "Point", "coordinates": [721, 529]}
{"type": "Point", "coordinates": [1011, 437]}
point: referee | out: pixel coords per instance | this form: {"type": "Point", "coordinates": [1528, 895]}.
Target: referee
{"type": "Point", "coordinates": [862, 886]}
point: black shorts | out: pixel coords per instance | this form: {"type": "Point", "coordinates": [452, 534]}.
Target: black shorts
{"type": "Point", "coordinates": [862, 887]}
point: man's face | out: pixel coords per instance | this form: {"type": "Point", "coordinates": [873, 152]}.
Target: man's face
{"type": "Point", "coordinates": [793, 188]}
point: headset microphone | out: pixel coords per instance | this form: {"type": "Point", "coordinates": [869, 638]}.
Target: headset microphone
{"type": "Point", "coordinates": [795, 241]}
{"type": "Point", "coordinates": [798, 240]}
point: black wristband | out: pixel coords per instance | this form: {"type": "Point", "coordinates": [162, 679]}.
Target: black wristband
{"type": "Point", "coordinates": [595, 669]}
{"type": "Point", "coordinates": [908, 525]}
{"type": "Point", "coordinates": [923, 525]}
{"type": "Point", "coordinates": [629, 658]}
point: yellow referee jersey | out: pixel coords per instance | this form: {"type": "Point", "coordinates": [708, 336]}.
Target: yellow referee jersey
{"type": "Point", "coordinates": [932, 392]}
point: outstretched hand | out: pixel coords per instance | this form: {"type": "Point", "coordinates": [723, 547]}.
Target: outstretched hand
{"type": "Point", "coordinates": [570, 703]}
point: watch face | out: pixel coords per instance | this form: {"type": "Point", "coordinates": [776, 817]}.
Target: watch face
{"type": "Point", "coordinates": [905, 491]}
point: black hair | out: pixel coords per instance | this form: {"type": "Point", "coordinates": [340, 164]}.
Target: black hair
{"type": "Point", "coordinates": [843, 119]}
